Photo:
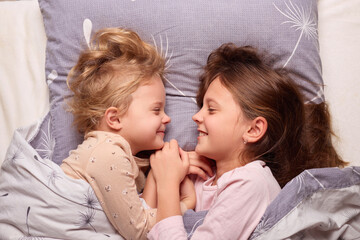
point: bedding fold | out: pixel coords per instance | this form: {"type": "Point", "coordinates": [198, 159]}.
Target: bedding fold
{"type": "Point", "coordinates": [38, 200]}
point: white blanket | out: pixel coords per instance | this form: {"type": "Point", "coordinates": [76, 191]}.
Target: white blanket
{"type": "Point", "coordinates": [38, 201]}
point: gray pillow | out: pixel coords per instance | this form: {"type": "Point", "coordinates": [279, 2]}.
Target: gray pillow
{"type": "Point", "coordinates": [185, 32]}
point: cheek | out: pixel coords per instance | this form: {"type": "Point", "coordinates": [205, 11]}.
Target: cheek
{"type": "Point", "coordinates": [211, 124]}
{"type": "Point", "coordinates": [224, 130]}
{"type": "Point", "coordinates": [152, 123]}
{"type": "Point", "coordinates": [216, 125]}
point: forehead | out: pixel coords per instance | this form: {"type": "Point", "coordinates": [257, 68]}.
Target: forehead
{"type": "Point", "coordinates": [151, 89]}
{"type": "Point", "coordinates": [217, 91]}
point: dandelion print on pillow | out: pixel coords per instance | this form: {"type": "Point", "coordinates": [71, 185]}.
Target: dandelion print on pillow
{"type": "Point", "coordinates": [184, 32]}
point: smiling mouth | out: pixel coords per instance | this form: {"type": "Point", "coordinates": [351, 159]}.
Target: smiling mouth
{"type": "Point", "coordinates": [202, 134]}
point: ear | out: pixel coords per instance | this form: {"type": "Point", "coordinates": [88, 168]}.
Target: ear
{"type": "Point", "coordinates": [256, 130]}
{"type": "Point", "coordinates": [112, 118]}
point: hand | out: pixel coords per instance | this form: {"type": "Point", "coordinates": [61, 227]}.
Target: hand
{"type": "Point", "coordinates": [170, 165]}
{"type": "Point", "coordinates": [200, 165]}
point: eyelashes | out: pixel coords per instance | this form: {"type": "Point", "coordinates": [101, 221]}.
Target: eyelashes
{"type": "Point", "coordinates": [157, 111]}
{"type": "Point", "coordinates": [211, 110]}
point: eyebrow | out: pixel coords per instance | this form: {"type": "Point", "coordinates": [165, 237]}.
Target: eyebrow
{"type": "Point", "coordinates": [158, 103]}
{"type": "Point", "coordinates": [209, 100]}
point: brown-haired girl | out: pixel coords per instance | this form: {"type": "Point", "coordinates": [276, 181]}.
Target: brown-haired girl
{"type": "Point", "coordinates": [118, 103]}
{"type": "Point", "coordinates": [252, 123]}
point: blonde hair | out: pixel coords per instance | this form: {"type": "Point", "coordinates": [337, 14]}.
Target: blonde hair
{"type": "Point", "coordinates": [106, 75]}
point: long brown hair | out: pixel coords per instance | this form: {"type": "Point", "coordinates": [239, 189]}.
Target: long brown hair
{"type": "Point", "coordinates": [107, 73]}
{"type": "Point", "coordinates": [287, 146]}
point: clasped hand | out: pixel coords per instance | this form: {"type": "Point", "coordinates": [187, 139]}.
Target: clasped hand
{"type": "Point", "coordinates": [173, 164]}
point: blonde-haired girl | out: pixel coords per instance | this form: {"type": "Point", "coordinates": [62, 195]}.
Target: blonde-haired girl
{"type": "Point", "coordinates": [118, 104]}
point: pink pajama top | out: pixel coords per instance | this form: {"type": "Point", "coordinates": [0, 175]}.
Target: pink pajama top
{"type": "Point", "coordinates": [235, 205]}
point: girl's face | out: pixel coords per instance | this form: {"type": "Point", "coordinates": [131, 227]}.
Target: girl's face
{"type": "Point", "coordinates": [144, 122]}
{"type": "Point", "coordinates": [221, 124]}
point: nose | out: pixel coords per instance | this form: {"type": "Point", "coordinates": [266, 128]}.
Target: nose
{"type": "Point", "coordinates": [166, 119]}
{"type": "Point", "coordinates": [197, 117]}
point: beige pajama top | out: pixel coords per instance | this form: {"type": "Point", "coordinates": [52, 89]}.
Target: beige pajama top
{"type": "Point", "coordinates": [105, 161]}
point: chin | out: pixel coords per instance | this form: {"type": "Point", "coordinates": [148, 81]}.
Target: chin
{"type": "Point", "coordinates": [204, 152]}
{"type": "Point", "coordinates": [158, 145]}
{"type": "Point", "coordinates": [200, 151]}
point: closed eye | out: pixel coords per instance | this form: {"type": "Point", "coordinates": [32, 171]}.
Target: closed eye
{"type": "Point", "coordinates": [211, 110]}
{"type": "Point", "coordinates": [157, 110]}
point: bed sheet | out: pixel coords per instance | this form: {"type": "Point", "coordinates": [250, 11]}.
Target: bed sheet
{"type": "Point", "coordinates": [24, 93]}
{"type": "Point", "coordinates": [339, 34]}
{"type": "Point", "coordinates": [23, 90]}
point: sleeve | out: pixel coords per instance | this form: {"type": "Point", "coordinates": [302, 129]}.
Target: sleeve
{"type": "Point", "coordinates": [236, 212]}
{"type": "Point", "coordinates": [171, 228]}
{"type": "Point", "coordinates": [112, 175]}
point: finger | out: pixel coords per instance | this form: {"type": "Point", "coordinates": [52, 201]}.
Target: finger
{"type": "Point", "coordinates": [205, 166]}
{"type": "Point", "coordinates": [152, 157]}
{"type": "Point", "coordinates": [197, 171]}
{"type": "Point", "coordinates": [186, 179]}
{"type": "Point", "coordinates": [185, 158]}
{"type": "Point", "coordinates": [173, 144]}
{"type": "Point", "coordinates": [156, 154]}
{"type": "Point", "coordinates": [201, 162]}
{"type": "Point", "coordinates": [166, 145]}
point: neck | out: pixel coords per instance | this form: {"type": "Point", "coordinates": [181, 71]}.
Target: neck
{"type": "Point", "coordinates": [223, 166]}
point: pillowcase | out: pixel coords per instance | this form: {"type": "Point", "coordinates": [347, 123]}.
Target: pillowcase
{"type": "Point", "coordinates": [185, 32]}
